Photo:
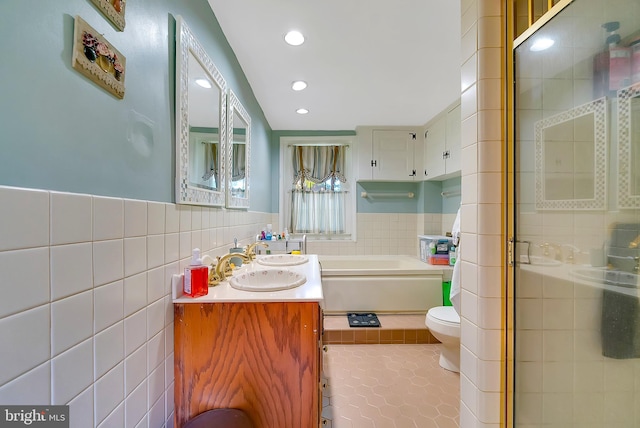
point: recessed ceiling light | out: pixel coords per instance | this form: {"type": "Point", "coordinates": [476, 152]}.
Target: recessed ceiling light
{"type": "Point", "coordinates": [298, 85]}
{"type": "Point", "coordinates": [294, 38]}
{"type": "Point", "coordinates": [302, 111]}
{"type": "Point", "coordinates": [204, 83]}
{"type": "Point", "coordinates": [541, 44]}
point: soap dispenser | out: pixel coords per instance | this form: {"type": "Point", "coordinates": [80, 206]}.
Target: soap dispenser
{"type": "Point", "coordinates": [237, 261]}
{"type": "Point", "coordinates": [196, 277]}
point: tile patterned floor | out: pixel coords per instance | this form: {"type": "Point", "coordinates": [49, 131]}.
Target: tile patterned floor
{"type": "Point", "coordinates": [388, 386]}
{"type": "Point", "coordinates": [395, 329]}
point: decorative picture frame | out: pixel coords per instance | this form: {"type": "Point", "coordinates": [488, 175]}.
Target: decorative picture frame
{"type": "Point", "coordinates": [97, 59]}
{"type": "Point", "coordinates": [114, 10]}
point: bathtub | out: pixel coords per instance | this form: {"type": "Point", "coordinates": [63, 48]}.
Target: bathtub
{"type": "Point", "coordinates": [382, 284]}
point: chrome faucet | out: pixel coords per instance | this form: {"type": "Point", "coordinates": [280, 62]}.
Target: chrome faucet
{"type": "Point", "coordinates": [251, 249]}
{"type": "Point", "coordinates": [570, 258]}
{"type": "Point", "coordinates": [223, 268]}
{"type": "Point", "coordinates": [557, 251]}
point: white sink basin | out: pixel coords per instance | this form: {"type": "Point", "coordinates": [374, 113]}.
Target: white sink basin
{"type": "Point", "coordinates": [267, 280]}
{"type": "Point", "coordinates": [540, 261]}
{"type": "Point", "coordinates": [282, 260]}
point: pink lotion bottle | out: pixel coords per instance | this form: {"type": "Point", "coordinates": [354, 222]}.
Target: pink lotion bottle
{"type": "Point", "coordinates": [196, 277]}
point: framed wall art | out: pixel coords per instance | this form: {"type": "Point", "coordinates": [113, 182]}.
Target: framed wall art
{"type": "Point", "coordinates": [97, 59]}
{"type": "Point", "coordinates": [114, 10]}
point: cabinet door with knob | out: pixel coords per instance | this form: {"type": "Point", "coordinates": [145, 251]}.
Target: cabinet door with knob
{"type": "Point", "coordinates": [390, 154]}
{"type": "Point", "coordinates": [442, 146]}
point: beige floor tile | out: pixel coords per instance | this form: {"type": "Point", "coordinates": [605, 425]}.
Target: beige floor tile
{"type": "Point", "coordinates": [389, 386]}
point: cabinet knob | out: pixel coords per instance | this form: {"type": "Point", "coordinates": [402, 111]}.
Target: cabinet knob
{"type": "Point", "coordinates": [413, 173]}
{"type": "Point", "coordinates": [374, 163]}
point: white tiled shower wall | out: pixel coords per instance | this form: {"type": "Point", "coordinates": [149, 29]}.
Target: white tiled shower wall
{"type": "Point", "coordinates": [86, 306]}
{"type": "Point", "coordinates": [86, 316]}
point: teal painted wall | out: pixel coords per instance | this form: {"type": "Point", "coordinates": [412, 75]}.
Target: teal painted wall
{"type": "Point", "coordinates": [450, 204]}
{"type": "Point", "coordinates": [60, 131]}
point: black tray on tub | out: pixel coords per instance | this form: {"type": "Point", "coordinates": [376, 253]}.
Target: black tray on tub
{"type": "Point", "coordinates": [368, 319]}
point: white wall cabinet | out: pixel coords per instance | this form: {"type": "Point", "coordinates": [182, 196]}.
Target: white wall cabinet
{"type": "Point", "coordinates": [389, 154]}
{"type": "Point", "coordinates": [442, 146]}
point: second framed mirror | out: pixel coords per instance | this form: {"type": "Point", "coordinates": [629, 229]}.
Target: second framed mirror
{"type": "Point", "coordinates": [238, 153]}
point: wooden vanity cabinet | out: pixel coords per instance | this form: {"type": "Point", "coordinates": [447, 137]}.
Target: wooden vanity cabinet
{"type": "Point", "coordinates": [262, 358]}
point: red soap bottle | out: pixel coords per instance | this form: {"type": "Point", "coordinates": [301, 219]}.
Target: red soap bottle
{"type": "Point", "coordinates": [196, 277]}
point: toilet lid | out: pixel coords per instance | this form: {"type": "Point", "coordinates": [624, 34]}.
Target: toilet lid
{"type": "Point", "coordinates": [445, 313]}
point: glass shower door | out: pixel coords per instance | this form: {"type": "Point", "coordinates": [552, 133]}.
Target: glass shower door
{"type": "Point", "coordinates": [577, 219]}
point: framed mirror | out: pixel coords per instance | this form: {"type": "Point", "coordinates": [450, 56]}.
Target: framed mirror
{"type": "Point", "coordinates": [201, 132]}
{"type": "Point", "coordinates": [629, 147]}
{"type": "Point", "coordinates": [238, 154]}
{"type": "Point", "coordinates": [571, 159]}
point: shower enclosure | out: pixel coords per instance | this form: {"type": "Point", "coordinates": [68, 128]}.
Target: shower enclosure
{"type": "Point", "coordinates": [576, 200]}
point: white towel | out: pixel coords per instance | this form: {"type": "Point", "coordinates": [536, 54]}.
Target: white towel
{"type": "Point", "coordinates": [454, 293]}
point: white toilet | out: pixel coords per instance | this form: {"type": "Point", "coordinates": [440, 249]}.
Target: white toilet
{"type": "Point", "coordinates": [444, 324]}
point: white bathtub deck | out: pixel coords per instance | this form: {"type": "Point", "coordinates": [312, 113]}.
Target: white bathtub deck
{"type": "Point", "coordinates": [394, 329]}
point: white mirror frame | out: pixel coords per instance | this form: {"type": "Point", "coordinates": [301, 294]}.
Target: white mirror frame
{"type": "Point", "coordinates": [599, 110]}
{"type": "Point", "coordinates": [235, 107]}
{"type": "Point", "coordinates": [185, 193]}
{"type": "Point", "coordinates": [625, 198]}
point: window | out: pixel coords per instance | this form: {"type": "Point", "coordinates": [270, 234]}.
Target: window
{"type": "Point", "coordinates": [316, 197]}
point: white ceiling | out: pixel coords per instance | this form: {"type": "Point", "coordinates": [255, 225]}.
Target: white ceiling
{"type": "Point", "coordinates": [367, 62]}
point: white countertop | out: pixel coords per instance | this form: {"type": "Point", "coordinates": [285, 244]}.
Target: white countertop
{"type": "Point", "coordinates": [310, 291]}
{"type": "Point", "coordinates": [567, 272]}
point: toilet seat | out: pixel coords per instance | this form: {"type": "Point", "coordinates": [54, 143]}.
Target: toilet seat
{"type": "Point", "coordinates": [444, 320]}
{"type": "Point", "coordinates": [445, 313]}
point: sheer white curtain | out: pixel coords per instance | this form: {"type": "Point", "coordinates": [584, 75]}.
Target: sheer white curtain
{"type": "Point", "coordinates": [317, 198]}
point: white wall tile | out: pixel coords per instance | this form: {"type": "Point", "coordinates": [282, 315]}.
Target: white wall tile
{"type": "Point", "coordinates": [108, 218]}
{"type": "Point", "coordinates": [71, 218]}
{"type": "Point", "coordinates": [115, 419]}
{"type": "Point", "coordinates": [557, 314]}
{"type": "Point", "coordinates": [155, 284]}
{"type": "Point", "coordinates": [156, 414]}
{"type": "Point", "coordinates": [172, 218]}
{"type": "Point", "coordinates": [20, 269]}
{"type": "Point", "coordinates": [489, 32]}
{"type": "Point", "coordinates": [155, 318]}
{"type": "Point", "coordinates": [71, 269]}
{"type": "Point", "coordinates": [557, 345]}
{"type": "Point", "coordinates": [135, 255]}
{"type": "Point", "coordinates": [71, 321]}
{"type": "Point", "coordinates": [135, 406]}
{"type": "Point", "coordinates": [171, 247]}
{"type": "Point", "coordinates": [155, 251]}
{"type": "Point", "coordinates": [135, 369]}
{"type": "Point", "coordinates": [169, 372]}
{"type": "Point", "coordinates": [135, 293]}
{"type": "Point", "coordinates": [169, 405]}
{"type": "Point", "coordinates": [155, 352]}
{"type": "Point", "coordinates": [156, 383]}
{"type": "Point", "coordinates": [28, 334]}
{"type": "Point", "coordinates": [196, 218]}
{"type": "Point", "coordinates": [108, 303]}
{"type": "Point", "coordinates": [109, 349]}
{"type": "Point", "coordinates": [185, 245]}
{"type": "Point", "coordinates": [185, 218]}
{"type": "Point", "coordinates": [32, 387]}
{"type": "Point", "coordinates": [108, 261]}
{"type": "Point", "coordinates": [72, 372]}
{"type": "Point", "coordinates": [81, 407]}
{"type": "Point", "coordinates": [489, 344]}
{"type": "Point", "coordinates": [135, 218]}
{"type": "Point", "coordinates": [135, 328]}
{"type": "Point", "coordinates": [155, 218]}
{"type": "Point", "coordinates": [17, 229]}
{"type": "Point", "coordinates": [109, 393]}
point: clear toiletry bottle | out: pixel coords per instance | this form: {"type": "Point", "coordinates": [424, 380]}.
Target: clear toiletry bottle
{"type": "Point", "coordinates": [196, 277]}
